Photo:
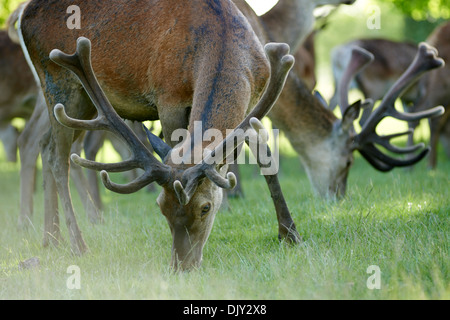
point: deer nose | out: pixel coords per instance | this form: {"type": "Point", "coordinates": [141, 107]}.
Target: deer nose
{"type": "Point", "coordinates": [186, 263]}
{"type": "Point", "coordinates": [186, 252]}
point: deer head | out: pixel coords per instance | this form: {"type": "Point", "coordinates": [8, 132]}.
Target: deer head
{"type": "Point", "coordinates": [191, 193]}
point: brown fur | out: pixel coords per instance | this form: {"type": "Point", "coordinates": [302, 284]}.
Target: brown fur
{"type": "Point", "coordinates": [310, 127]}
{"type": "Point", "coordinates": [154, 59]}
{"type": "Point", "coordinates": [18, 92]}
{"type": "Point", "coordinates": [17, 84]}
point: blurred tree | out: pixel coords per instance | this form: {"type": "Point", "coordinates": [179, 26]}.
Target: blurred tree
{"type": "Point", "coordinates": [424, 9]}
{"type": "Point", "coordinates": [6, 7]}
{"type": "Point", "coordinates": [421, 16]}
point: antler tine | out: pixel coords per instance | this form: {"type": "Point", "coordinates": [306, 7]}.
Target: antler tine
{"type": "Point", "coordinates": [281, 63]}
{"type": "Point", "coordinates": [384, 141]}
{"type": "Point", "coordinates": [426, 60]}
{"type": "Point", "coordinates": [386, 163]}
{"type": "Point", "coordinates": [365, 141]}
{"type": "Point", "coordinates": [360, 58]}
{"type": "Point", "coordinates": [107, 119]}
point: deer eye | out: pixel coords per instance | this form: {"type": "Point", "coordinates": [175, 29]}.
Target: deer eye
{"type": "Point", "coordinates": [205, 209]}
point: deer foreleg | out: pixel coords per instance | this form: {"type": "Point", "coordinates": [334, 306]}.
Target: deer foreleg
{"type": "Point", "coordinates": [286, 226]}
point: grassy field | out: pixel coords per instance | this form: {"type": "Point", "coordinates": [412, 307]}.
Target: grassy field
{"type": "Point", "coordinates": [397, 221]}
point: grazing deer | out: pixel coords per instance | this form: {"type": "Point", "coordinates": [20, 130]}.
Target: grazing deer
{"type": "Point", "coordinates": [391, 59]}
{"type": "Point", "coordinates": [435, 89]}
{"type": "Point", "coordinates": [18, 92]}
{"type": "Point", "coordinates": [200, 62]}
{"type": "Point", "coordinates": [325, 143]}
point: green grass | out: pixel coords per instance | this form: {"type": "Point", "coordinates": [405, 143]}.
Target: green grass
{"type": "Point", "coordinates": [398, 221]}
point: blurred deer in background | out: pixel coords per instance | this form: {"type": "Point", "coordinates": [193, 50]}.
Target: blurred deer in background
{"type": "Point", "coordinates": [201, 60]}
{"type": "Point", "coordinates": [435, 90]}
{"type": "Point", "coordinates": [325, 143]}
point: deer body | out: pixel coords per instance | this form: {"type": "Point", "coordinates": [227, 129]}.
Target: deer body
{"type": "Point", "coordinates": [435, 89]}
{"type": "Point", "coordinates": [324, 143]}
{"type": "Point", "coordinates": [141, 80]}
{"type": "Point", "coordinates": [177, 61]}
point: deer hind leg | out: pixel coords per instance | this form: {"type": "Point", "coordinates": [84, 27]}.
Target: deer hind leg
{"type": "Point", "coordinates": [437, 131]}
{"type": "Point", "coordinates": [28, 144]}
{"type": "Point", "coordinates": [56, 152]}
{"type": "Point", "coordinates": [52, 233]}
{"type": "Point", "coordinates": [445, 135]}
{"type": "Point", "coordinates": [434, 141]}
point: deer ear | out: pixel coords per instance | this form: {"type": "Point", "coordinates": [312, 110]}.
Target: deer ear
{"type": "Point", "coordinates": [161, 148]}
{"type": "Point", "coordinates": [350, 115]}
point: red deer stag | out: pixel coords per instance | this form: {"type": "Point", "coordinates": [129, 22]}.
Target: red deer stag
{"type": "Point", "coordinates": [435, 89]}
{"type": "Point", "coordinates": [178, 61]}
{"type": "Point", "coordinates": [28, 142]}
{"type": "Point", "coordinates": [325, 143]}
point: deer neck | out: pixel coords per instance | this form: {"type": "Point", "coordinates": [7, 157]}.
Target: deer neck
{"type": "Point", "coordinates": [290, 21]}
{"type": "Point", "coordinates": [302, 117]}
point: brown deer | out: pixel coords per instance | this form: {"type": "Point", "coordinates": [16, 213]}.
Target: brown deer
{"type": "Point", "coordinates": [18, 92]}
{"type": "Point", "coordinates": [325, 143]}
{"type": "Point", "coordinates": [435, 89]}
{"type": "Point", "coordinates": [28, 143]}
{"type": "Point", "coordinates": [391, 59]}
{"type": "Point", "coordinates": [200, 61]}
